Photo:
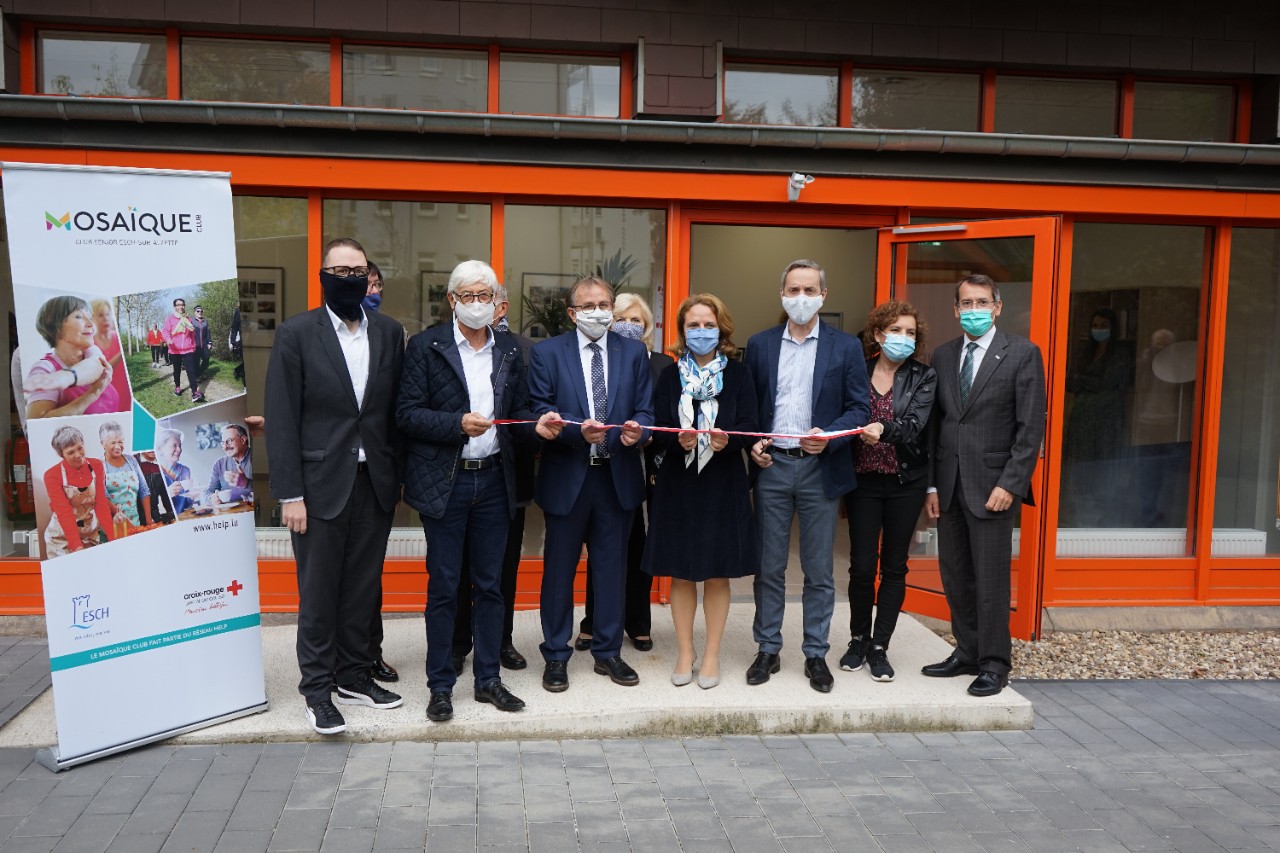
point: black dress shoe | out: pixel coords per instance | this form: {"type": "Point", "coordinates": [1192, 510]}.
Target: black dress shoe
{"type": "Point", "coordinates": [497, 695]}
{"type": "Point", "coordinates": [555, 676]}
{"type": "Point", "coordinates": [618, 671]}
{"type": "Point", "coordinates": [511, 659]}
{"type": "Point", "coordinates": [582, 644]}
{"type": "Point", "coordinates": [762, 667]}
{"type": "Point", "coordinates": [820, 678]}
{"type": "Point", "coordinates": [950, 668]}
{"type": "Point", "coordinates": [440, 708]}
{"type": "Point", "coordinates": [459, 663]}
{"type": "Point", "coordinates": [642, 644]}
{"type": "Point", "coordinates": [383, 671]}
{"type": "Point", "coordinates": [988, 683]}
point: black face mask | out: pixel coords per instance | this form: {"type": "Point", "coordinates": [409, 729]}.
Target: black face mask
{"type": "Point", "coordinates": [344, 295]}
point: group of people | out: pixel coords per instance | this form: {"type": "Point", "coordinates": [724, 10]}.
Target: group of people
{"type": "Point", "coordinates": [457, 416]}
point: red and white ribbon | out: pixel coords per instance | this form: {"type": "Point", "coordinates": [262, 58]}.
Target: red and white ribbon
{"type": "Point", "coordinates": [826, 436]}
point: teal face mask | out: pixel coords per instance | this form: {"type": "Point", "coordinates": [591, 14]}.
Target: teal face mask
{"type": "Point", "coordinates": [976, 321]}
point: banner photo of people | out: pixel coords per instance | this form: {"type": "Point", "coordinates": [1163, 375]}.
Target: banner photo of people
{"type": "Point", "coordinates": [125, 291]}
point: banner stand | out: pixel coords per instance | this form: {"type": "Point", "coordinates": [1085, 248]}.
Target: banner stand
{"type": "Point", "coordinates": [48, 756]}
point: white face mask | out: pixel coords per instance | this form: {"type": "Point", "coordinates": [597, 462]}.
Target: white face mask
{"type": "Point", "coordinates": [593, 323]}
{"type": "Point", "coordinates": [801, 308]}
{"type": "Point", "coordinates": [477, 315]}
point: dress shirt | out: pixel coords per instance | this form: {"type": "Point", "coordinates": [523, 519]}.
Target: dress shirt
{"type": "Point", "coordinates": [984, 343]}
{"type": "Point", "coordinates": [585, 355]}
{"type": "Point", "coordinates": [477, 366]}
{"type": "Point", "coordinates": [793, 403]}
{"type": "Point", "coordinates": [355, 350]}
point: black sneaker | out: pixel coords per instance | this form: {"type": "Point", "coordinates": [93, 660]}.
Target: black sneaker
{"type": "Point", "coordinates": [878, 662]}
{"type": "Point", "coordinates": [851, 661]}
{"type": "Point", "coordinates": [368, 693]}
{"type": "Point", "coordinates": [325, 718]}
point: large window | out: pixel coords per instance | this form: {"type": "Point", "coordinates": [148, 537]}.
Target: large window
{"type": "Point", "coordinates": [270, 72]}
{"type": "Point", "coordinates": [1246, 517]}
{"type": "Point", "coordinates": [916, 100]}
{"type": "Point", "coordinates": [559, 85]}
{"type": "Point", "coordinates": [109, 64]}
{"type": "Point", "coordinates": [1195, 111]}
{"type": "Point", "coordinates": [409, 78]}
{"type": "Point", "coordinates": [1055, 106]}
{"type": "Point", "coordinates": [1132, 389]}
{"type": "Point", "coordinates": [779, 94]}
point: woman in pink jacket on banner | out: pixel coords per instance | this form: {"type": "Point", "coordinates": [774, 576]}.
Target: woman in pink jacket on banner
{"type": "Point", "coordinates": [75, 376]}
{"type": "Point", "coordinates": [180, 334]}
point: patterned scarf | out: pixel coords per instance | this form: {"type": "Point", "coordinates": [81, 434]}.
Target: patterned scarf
{"type": "Point", "coordinates": [703, 384]}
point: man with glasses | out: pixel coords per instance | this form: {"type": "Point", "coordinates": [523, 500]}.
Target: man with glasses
{"type": "Point", "coordinates": [335, 455]}
{"type": "Point", "coordinates": [204, 343]}
{"type": "Point", "coordinates": [458, 378]}
{"type": "Point", "coordinates": [591, 477]}
{"type": "Point", "coordinates": [990, 410]}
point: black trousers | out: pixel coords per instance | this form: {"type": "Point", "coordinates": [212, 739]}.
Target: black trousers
{"type": "Point", "coordinates": [202, 360]}
{"type": "Point", "coordinates": [462, 641]}
{"type": "Point", "coordinates": [974, 558]}
{"type": "Point", "coordinates": [339, 570]}
{"type": "Point", "coordinates": [638, 589]}
{"type": "Point", "coordinates": [184, 361]}
{"type": "Point", "coordinates": [882, 519]}
{"type": "Point", "coordinates": [156, 354]}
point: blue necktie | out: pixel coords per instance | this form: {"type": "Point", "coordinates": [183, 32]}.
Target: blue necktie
{"type": "Point", "coordinates": [599, 393]}
{"type": "Point", "coordinates": [966, 372]}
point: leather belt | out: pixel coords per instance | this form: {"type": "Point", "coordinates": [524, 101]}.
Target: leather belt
{"type": "Point", "coordinates": [594, 461]}
{"type": "Point", "coordinates": [793, 452]}
{"type": "Point", "coordinates": [481, 464]}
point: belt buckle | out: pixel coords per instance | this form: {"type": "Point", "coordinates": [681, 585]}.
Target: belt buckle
{"type": "Point", "coordinates": [472, 464]}
{"type": "Point", "coordinates": [598, 460]}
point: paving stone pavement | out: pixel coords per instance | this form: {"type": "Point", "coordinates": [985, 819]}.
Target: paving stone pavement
{"type": "Point", "coordinates": [1154, 765]}
{"type": "Point", "coordinates": [24, 673]}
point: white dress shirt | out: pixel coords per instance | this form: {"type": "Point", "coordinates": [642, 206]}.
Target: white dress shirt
{"type": "Point", "coordinates": [984, 343]}
{"type": "Point", "coordinates": [477, 366]}
{"type": "Point", "coordinates": [586, 355]}
{"type": "Point", "coordinates": [355, 351]}
{"type": "Point", "coordinates": [793, 403]}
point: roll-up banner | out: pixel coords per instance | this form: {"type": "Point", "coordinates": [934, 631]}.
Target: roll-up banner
{"type": "Point", "coordinates": [127, 307]}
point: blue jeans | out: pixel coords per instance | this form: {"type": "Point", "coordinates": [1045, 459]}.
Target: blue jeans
{"type": "Point", "coordinates": [786, 488]}
{"type": "Point", "coordinates": [477, 510]}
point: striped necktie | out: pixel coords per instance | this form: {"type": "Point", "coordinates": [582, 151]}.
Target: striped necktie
{"type": "Point", "coordinates": [966, 371]}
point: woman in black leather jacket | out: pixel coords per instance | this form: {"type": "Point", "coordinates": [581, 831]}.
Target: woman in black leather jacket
{"type": "Point", "coordinates": [891, 463]}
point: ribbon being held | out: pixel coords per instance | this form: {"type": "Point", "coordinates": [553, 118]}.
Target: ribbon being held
{"type": "Point", "coordinates": [825, 436]}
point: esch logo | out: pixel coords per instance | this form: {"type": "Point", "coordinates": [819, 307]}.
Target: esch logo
{"type": "Point", "coordinates": [130, 221]}
{"type": "Point", "coordinates": [83, 616]}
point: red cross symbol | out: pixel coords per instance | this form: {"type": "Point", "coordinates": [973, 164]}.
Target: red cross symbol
{"type": "Point", "coordinates": [235, 587]}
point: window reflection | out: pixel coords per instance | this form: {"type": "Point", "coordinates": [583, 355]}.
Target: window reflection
{"type": "Point", "coordinates": [408, 78]}
{"type": "Point", "coordinates": [1192, 111]}
{"type": "Point", "coordinates": [265, 72]}
{"type": "Point", "coordinates": [567, 86]}
{"type": "Point", "coordinates": [910, 100]}
{"type": "Point", "coordinates": [121, 66]}
{"type": "Point", "coordinates": [1055, 106]}
{"type": "Point", "coordinates": [772, 94]}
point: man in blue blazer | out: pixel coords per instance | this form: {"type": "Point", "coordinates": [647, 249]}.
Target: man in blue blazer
{"type": "Point", "coordinates": [810, 378]}
{"type": "Point", "coordinates": [590, 479]}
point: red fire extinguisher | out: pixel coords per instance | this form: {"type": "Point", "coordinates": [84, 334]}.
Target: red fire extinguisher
{"type": "Point", "coordinates": [18, 489]}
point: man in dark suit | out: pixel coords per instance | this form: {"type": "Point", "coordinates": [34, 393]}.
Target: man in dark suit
{"type": "Point", "coordinates": [460, 474]}
{"type": "Point", "coordinates": [810, 378]}
{"type": "Point", "coordinates": [591, 479]}
{"type": "Point", "coordinates": [335, 466]}
{"type": "Point", "coordinates": [990, 426]}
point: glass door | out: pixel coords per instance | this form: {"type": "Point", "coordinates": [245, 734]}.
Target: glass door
{"type": "Point", "coordinates": [922, 264]}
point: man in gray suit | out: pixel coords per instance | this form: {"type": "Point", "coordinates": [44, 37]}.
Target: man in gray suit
{"type": "Point", "coordinates": [335, 457]}
{"type": "Point", "coordinates": [990, 416]}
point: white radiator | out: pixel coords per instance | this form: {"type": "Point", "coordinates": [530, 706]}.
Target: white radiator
{"type": "Point", "coordinates": [404, 542]}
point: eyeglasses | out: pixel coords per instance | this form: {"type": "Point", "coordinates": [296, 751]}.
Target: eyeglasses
{"type": "Point", "coordinates": [343, 272]}
{"type": "Point", "coordinates": [602, 306]}
{"type": "Point", "coordinates": [199, 310]}
{"type": "Point", "coordinates": [968, 304]}
{"type": "Point", "coordinates": [375, 284]}
{"type": "Point", "coordinates": [484, 297]}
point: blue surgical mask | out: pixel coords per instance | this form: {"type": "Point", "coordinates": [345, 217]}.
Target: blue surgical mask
{"type": "Point", "coordinates": [976, 321]}
{"type": "Point", "coordinates": [898, 347]}
{"type": "Point", "coordinates": [1100, 335]}
{"type": "Point", "coordinates": [701, 341]}
{"type": "Point", "coordinates": [627, 329]}
{"type": "Point", "coordinates": [372, 301]}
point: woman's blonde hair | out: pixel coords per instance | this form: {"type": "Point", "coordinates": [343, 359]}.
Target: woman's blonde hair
{"type": "Point", "coordinates": [625, 302]}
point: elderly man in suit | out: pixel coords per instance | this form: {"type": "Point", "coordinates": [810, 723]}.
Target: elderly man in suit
{"type": "Point", "coordinates": [460, 474]}
{"type": "Point", "coordinates": [810, 378]}
{"type": "Point", "coordinates": [591, 478]}
{"type": "Point", "coordinates": [990, 425]}
{"type": "Point", "coordinates": [335, 466]}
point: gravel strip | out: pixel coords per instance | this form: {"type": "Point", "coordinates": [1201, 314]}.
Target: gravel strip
{"type": "Point", "coordinates": [1237, 655]}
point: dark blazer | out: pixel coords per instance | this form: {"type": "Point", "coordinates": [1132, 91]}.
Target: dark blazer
{"type": "Point", "coordinates": [433, 399]}
{"type": "Point", "coordinates": [318, 425]}
{"type": "Point", "coordinates": [556, 384]}
{"type": "Point", "coordinates": [1003, 422]}
{"type": "Point", "coordinates": [914, 386]}
{"type": "Point", "coordinates": [841, 395]}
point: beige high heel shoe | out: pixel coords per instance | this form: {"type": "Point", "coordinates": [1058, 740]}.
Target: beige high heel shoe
{"type": "Point", "coordinates": [680, 679]}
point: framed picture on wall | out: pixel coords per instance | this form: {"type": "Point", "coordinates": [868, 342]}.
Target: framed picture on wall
{"type": "Point", "coordinates": [542, 303]}
{"type": "Point", "coordinates": [434, 287]}
{"type": "Point", "coordinates": [261, 303]}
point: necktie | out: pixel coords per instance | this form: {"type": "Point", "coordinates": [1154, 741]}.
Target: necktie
{"type": "Point", "coordinates": [966, 372]}
{"type": "Point", "coordinates": [599, 394]}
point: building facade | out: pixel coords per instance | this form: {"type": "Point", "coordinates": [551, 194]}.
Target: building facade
{"type": "Point", "coordinates": [1109, 164]}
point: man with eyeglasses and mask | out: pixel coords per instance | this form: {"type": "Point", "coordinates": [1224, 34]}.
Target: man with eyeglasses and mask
{"type": "Point", "coordinates": [331, 389]}
{"type": "Point", "coordinates": [990, 410]}
{"type": "Point", "coordinates": [460, 475]}
{"type": "Point", "coordinates": [591, 478]}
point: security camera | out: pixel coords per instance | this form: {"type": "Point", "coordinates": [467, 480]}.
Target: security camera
{"type": "Point", "coordinates": [795, 183]}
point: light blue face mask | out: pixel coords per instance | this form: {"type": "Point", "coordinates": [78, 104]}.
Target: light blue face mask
{"type": "Point", "coordinates": [1100, 335]}
{"type": "Point", "coordinates": [701, 341]}
{"type": "Point", "coordinates": [976, 321]}
{"type": "Point", "coordinates": [898, 348]}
